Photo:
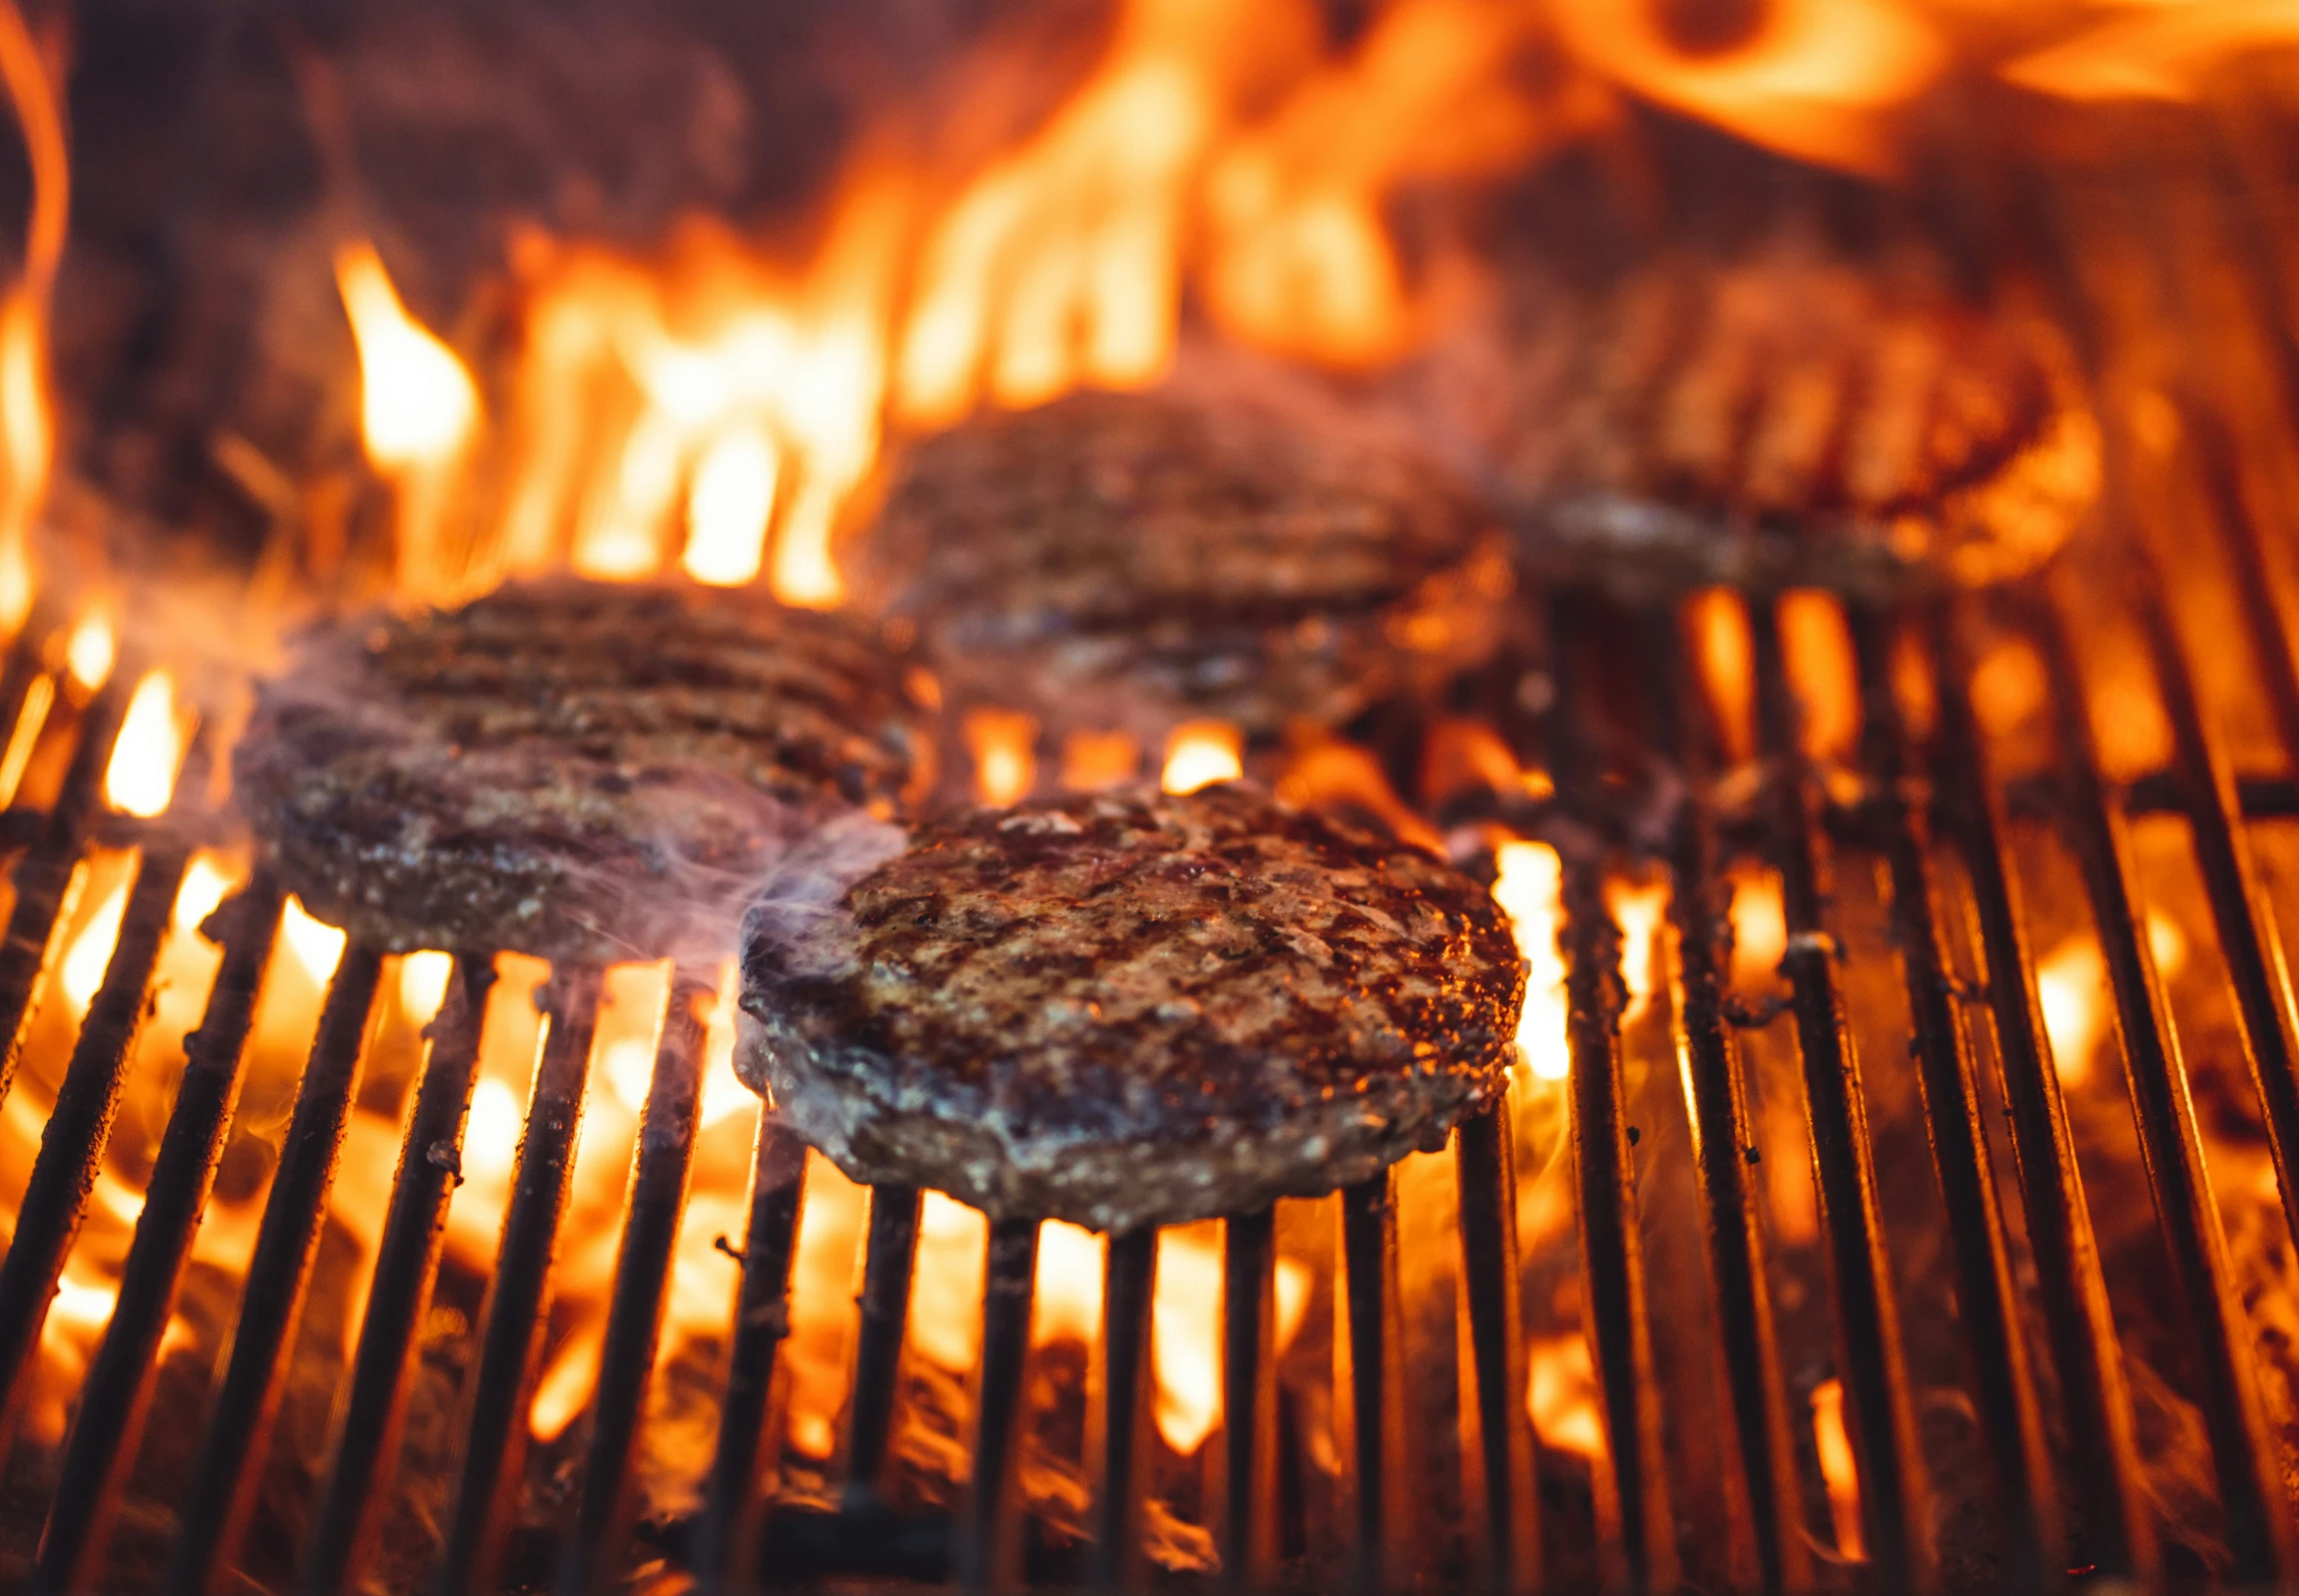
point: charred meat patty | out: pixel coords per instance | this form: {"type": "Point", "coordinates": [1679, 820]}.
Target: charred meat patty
{"type": "Point", "coordinates": [1244, 552]}
{"type": "Point", "coordinates": [575, 770]}
{"type": "Point", "coordinates": [1784, 417]}
{"type": "Point", "coordinates": [1128, 1008]}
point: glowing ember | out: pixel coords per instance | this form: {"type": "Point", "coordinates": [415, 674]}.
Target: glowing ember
{"type": "Point", "coordinates": [91, 650]}
{"type": "Point", "coordinates": [1530, 891]}
{"type": "Point", "coordinates": [27, 424]}
{"type": "Point", "coordinates": [1005, 758]}
{"type": "Point", "coordinates": [142, 776]}
{"type": "Point", "coordinates": [1837, 1468]}
{"type": "Point", "coordinates": [1200, 753]}
{"type": "Point", "coordinates": [1560, 1396]}
{"type": "Point", "coordinates": [1185, 1334]}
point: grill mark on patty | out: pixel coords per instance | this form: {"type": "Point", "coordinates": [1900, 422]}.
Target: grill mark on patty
{"type": "Point", "coordinates": [1181, 554]}
{"type": "Point", "coordinates": [1115, 988]}
{"type": "Point", "coordinates": [565, 768]}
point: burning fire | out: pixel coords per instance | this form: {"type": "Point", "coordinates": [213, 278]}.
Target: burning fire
{"type": "Point", "coordinates": [1529, 890]}
{"type": "Point", "coordinates": [1837, 1468]}
{"type": "Point", "coordinates": [142, 776]}
{"type": "Point", "coordinates": [27, 425]}
{"type": "Point", "coordinates": [1200, 753]}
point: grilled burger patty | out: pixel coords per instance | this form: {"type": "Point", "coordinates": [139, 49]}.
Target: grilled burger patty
{"type": "Point", "coordinates": [1130, 560]}
{"type": "Point", "coordinates": [576, 770]}
{"type": "Point", "coordinates": [1128, 1008]}
{"type": "Point", "coordinates": [1785, 418]}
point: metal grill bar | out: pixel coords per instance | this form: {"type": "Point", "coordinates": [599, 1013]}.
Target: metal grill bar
{"type": "Point", "coordinates": [1485, 1162]}
{"type": "Point", "coordinates": [1249, 1398]}
{"type": "Point", "coordinates": [2258, 1528]}
{"type": "Point", "coordinates": [2248, 941]}
{"type": "Point", "coordinates": [43, 880]}
{"type": "Point", "coordinates": [517, 1313]}
{"type": "Point", "coordinates": [989, 1547]}
{"type": "Point", "coordinates": [1724, 1137]}
{"type": "Point", "coordinates": [889, 1260]}
{"type": "Point", "coordinates": [118, 1385]}
{"type": "Point", "coordinates": [729, 1532]}
{"type": "Point", "coordinates": [1986, 1300]}
{"type": "Point", "coordinates": [1611, 1253]}
{"type": "Point", "coordinates": [2118, 1533]}
{"type": "Point", "coordinates": [642, 1277]}
{"type": "Point", "coordinates": [71, 1141]}
{"type": "Point", "coordinates": [1122, 1414]}
{"type": "Point", "coordinates": [279, 1271]}
{"type": "Point", "coordinates": [1893, 1491]}
{"type": "Point", "coordinates": [1385, 1535]}
{"type": "Point", "coordinates": [366, 1439]}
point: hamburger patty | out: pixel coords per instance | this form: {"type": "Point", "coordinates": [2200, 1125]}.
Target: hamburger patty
{"type": "Point", "coordinates": [1130, 560]}
{"type": "Point", "coordinates": [1784, 419]}
{"type": "Point", "coordinates": [1128, 1008]}
{"type": "Point", "coordinates": [576, 770]}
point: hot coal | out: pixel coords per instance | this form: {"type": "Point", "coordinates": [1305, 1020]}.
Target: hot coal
{"type": "Point", "coordinates": [1786, 416]}
{"type": "Point", "coordinates": [1238, 550]}
{"type": "Point", "coordinates": [1130, 1008]}
{"type": "Point", "coordinates": [573, 770]}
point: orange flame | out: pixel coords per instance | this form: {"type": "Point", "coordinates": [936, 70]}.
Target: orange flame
{"type": "Point", "coordinates": [92, 649]}
{"type": "Point", "coordinates": [1069, 1300]}
{"type": "Point", "coordinates": [141, 777]}
{"type": "Point", "coordinates": [1200, 753]}
{"type": "Point", "coordinates": [1004, 750]}
{"type": "Point", "coordinates": [1821, 80]}
{"type": "Point", "coordinates": [1560, 1396]}
{"type": "Point", "coordinates": [2153, 51]}
{"type": "Point", "coordinates": [1838, 1469]}
{"type": "Point", "coordinates": [1529, 890]}
{"type": "Point", "coordinates": [418, 410]}
{"type": "Point", "coordinates": [1185, 1334]}
{"type": "Point", "coordinates": [27, 425]}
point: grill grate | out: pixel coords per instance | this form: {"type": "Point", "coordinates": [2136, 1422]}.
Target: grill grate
{"type": "Point", "coordinates": [1930, 809]}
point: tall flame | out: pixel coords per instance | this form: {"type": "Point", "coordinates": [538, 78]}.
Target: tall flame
{"type": "Point", "coordinates": [27, 425]}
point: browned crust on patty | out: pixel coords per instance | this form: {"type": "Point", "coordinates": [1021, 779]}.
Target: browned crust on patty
{"type": "Point", "coordinates": [1133, 559]}
{"type": "Point", "coordinates": [1784, 417]}
{"type": "Point", "coordinates": [570, 769]}
{"type": "Point", "coordinates": [1129, 1008]}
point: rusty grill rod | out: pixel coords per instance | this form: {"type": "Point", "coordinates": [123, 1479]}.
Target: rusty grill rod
{"type": "Point", "coordinates": [1893, 1493]}
{"type": "Point", "coordinates": [727, 1539]}
{"type": "Point", "coordinates": [1486, 1168]}
{"type": "Point", "coordinates": [2118, 1533]}
{"type": "Point", "coordinates": [890, 1259]}
{"type": "Point", "coordinates": [1987, 1299]}
{"type": "Point", "coordinates": [590, 1552]}
{"type": "Point", "coordinates": [1383, 1487]}
{"type": "Point", "coordinates": [43, 878]}
{"type": "Point", "coordinates": [119, 1385]}
{"type": "Point", "coordinates": [517, 1310]}
{"type": "Point", "coordinates": [367, 1432]}
{"type": "Point", "coordinates": [2258, 1528]}
{"type": "Point", "coordinates": [1715, 1085]}
{"type": "Point", "coordinates": [1121, 1418]}
{"type": "Point", "coordinates": [239, 1422]}
{"type": "Point", "coordinates": [990, 1543]}
{"type": "Point", "coordinates": [1612, 1255]}
{"type": "Point", "coordinates": [71, 1141]}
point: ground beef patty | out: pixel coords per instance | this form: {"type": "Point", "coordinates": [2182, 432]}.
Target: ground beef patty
{"type": "Point", "coordinates": [1244, 552]}
{"type": "Point", "coordinates": [1784, 417]}
{"type": "Point", "coordinates": [1128, 1008]}
{"type": "Point", "coordinates": [576, 770]}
